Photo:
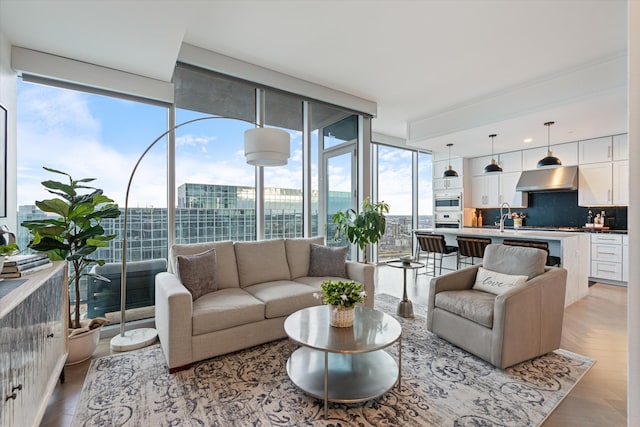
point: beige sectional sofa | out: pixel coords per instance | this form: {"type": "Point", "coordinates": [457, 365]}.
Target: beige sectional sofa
{"type": "Point", "coordinates": [258, 285]}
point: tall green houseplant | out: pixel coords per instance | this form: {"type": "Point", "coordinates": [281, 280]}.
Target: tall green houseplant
{"type": "Point", "coordinates": [76, 233]}
{"type": "Point", "coordinates": [364, 227]}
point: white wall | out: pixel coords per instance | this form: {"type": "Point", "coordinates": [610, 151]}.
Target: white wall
{"type": "Point", "coordinates": [8, 99]}
{"type": "Point", "coordinates": [633, 291]}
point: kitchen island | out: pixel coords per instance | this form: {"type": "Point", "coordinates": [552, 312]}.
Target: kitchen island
{"type": "Point", "coordinates": [574, 250]}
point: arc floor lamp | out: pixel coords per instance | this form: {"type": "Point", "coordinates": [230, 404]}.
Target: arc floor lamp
{"type": "Point", "coordinates": [262, 147]}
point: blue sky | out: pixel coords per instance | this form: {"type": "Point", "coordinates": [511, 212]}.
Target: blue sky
{"type": "Point", "coordinates": [100, 137]}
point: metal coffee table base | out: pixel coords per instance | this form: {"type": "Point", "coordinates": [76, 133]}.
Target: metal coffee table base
{"type": "Point", "coordinates": [346, 378]}
{"type": "Point", "coordinates": [405, 309]}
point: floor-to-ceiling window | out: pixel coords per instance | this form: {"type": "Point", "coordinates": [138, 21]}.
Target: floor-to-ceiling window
{"type": "Point", "coordinates": [395, 184]}
{"type": "Point", "coordinates": [283, 193]}
{"type": "Point", "coordinates": [97, 136]}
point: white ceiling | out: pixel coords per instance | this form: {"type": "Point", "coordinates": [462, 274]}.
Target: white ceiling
{"type": "Point", "coordinates": [458, 69]}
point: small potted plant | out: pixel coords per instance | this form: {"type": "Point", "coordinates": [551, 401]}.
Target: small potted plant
{"type": "Point", "coordinates": [74, 235]}
{"type": "Point", "coordinates": [364, 227]}
{"type": "Point", "coordinates": [341, 296]}
{"type": "Point", "coordinates": [518, 219]}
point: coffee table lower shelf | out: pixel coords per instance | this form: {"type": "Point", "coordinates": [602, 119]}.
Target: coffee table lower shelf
{"type": "Point", "coordinates": [349, 377]}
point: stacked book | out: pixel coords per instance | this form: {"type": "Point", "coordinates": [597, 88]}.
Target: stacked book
{"type": "Point", "coordinates": [17, 265]}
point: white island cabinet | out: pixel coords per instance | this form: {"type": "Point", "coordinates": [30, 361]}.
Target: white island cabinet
{"type": "Point", "coordinates": [33, 343]}
{"type": "Point", "coordinates": [574, 250]}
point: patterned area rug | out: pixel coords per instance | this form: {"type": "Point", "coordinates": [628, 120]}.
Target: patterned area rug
{"type": "Point", "coordinates": [441, 386]}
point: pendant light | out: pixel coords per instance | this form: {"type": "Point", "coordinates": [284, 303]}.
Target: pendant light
{"type": "Point", "coordinates": [493, 166]}
{"type": "Point", "coordinates": [550, 160]}
{"type": "Point", "coordinates": [450, 173]}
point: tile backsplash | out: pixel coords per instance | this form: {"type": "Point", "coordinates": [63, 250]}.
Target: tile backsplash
{"type": "Point", "coordinates": [557, 209]}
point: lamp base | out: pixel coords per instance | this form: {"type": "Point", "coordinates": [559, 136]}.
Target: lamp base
{"type": "Point", "coordinates": [134, 339]}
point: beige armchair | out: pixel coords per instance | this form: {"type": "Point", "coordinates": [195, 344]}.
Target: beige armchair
{"type": "Point", "coordinates": [520, 324]}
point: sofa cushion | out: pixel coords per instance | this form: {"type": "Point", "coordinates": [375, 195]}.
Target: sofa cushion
{"type": "Point", "coordinates": [225, 309]}
{"type": "Point", "coordinates": [198, 272]}
{"type": "Point", "coordinates": [496, 283]}
{"type": "Point", "coordinates": [299, 253]}
{"type": "Point", "coordinates": [225, 260]}
{"type": "Point", "coordinates": [316, 281]}
{"type": "Point", "coordinates": [283, 297]}
{"type": "Point", "coordinates": [328, 261]}
{"type": "Point", "coordinates": [514, 260]}
{"type": "Point", "coordinates": [261, 261]}
{"type": "Point", "coordinates": [476, 306]}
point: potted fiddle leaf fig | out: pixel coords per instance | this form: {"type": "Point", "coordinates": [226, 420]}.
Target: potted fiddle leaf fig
{"type": "Point", "coordinates": [362, 228]}
{"type": "Point", "coordinates": [74, 235]}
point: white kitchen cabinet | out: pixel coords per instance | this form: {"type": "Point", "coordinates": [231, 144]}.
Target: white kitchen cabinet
{"type": "Point", "coordinates": [485, 190]}
{"type": "Point", "coordinates": [595, 184]}
{"type": "Point", "coordinates": [477, 164]}
{"type": "Point", "coordinates": [453, 183]}
{"type": "Point", "coordinates": [625, 258]}
{"type": "Point", "coordinates": [606, 256]}
{"type": "Point", "coordinates": [620, 185]}
{"type": "Point", "coordinates": [532, 156]}
{"type": "Point", "coordinates": [508, 193]}
{"type": "Point", "coordinates": [596, 150]}
{"type": "Point", "coordinates": [441, 166]}
{"type": "Point", "coordinates": [621, 147]}
{"type": "Point", "coordinates": [567, 153]}
{"type": "Point", "coordinates": [604, 184]}
{"type": "Point", "coordinates": [510, 162]}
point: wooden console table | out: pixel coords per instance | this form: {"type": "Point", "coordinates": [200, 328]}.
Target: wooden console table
{"type": "Point", "coordinates": [33, 343]}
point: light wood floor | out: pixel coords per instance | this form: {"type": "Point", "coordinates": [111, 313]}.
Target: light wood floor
{"type": "Point", "coordinates": [594, 326]}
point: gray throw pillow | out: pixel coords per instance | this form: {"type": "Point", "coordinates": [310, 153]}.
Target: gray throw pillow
{"type": "Point", "coordinates": [198, 272]}
{"type": "Point", "coordinates": [328, 261]}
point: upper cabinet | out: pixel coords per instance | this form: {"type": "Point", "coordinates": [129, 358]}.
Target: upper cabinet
{"type": "Point", "coordinates": [477, 164]}
{"type": "Point", "coordinates": [604, 184]}
{"type": "Point", "coordinates": [449, 183]}
{"type": "Point", "coordinates": [510, 162]}
{"type": "Point", "coordinates": [596, 150]}
{"type": "Point", "coordinates": [567, 153]}
{"type": "Point", "coordinates": [604, 171]}
{"type": "Point", "coordinates": [440, 166]}
{"type": "Point", "coordinates": [621, 147]}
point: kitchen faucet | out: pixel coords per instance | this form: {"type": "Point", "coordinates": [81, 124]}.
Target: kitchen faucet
{"type": "Point", "coordinates": [504, 216]}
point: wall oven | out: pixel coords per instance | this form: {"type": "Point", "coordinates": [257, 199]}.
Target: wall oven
{"type": "Point", "coordinates": [447, 220]}
{"type": "Point", "coordinates": [447, 202]}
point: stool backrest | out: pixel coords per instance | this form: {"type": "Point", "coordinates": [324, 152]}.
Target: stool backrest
{"type": "Point", "coordinates": [528, 243]}
{"type": "Point", "coordinates": [472, 246]}
{"type": "Point", "coordinates": [431, 242]}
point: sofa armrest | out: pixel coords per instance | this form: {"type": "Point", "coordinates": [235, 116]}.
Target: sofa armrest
{"type": "Point", "coordinates": [363, 273]}
{"type": "Point", "coordinates": [174, 311]}
{"type": "Point", "coordinates": [455, 281]}
{"type": "Point", "coordinates": [528, 319]}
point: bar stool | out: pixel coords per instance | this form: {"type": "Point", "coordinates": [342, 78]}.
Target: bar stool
{"type": "Point", "coordinates": [416, 252]}
{"type": "Point", "coordinates": [470, 247]}
{"type": "Point", "coordinates": [434, 244]}
{"type": "Point", "coordinates": [552, 261]}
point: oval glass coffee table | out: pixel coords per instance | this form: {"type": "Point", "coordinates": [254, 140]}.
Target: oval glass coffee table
{"type": "Point", "coordinates": [345, 365]}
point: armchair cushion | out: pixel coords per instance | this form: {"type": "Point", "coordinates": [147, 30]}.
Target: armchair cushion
{"type": "Point", "coordinates": [514, 260]}
{"type": "Point", "coordinates": [476, 306]}
{"type": "Point", "coordinates": [496, 283]}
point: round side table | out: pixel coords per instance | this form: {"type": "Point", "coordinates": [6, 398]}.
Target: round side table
{"type": "Point", "coordinates": [405, 307]}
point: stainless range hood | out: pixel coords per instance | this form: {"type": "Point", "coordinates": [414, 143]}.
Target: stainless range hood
{"type": "Point", "coordinates": [549, 179]}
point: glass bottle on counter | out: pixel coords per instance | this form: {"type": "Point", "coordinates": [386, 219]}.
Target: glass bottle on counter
{"type": "Point", "coordinates": [479, 218]}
